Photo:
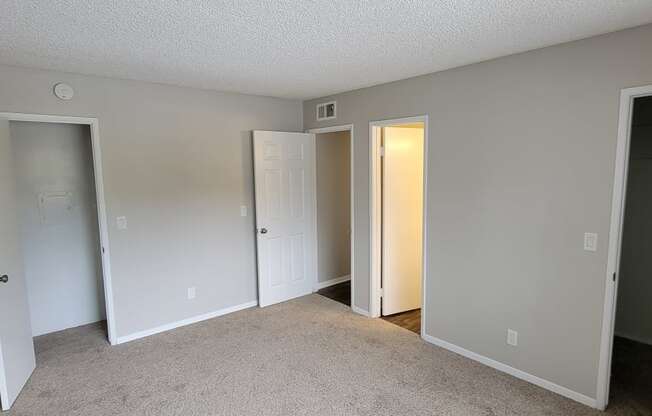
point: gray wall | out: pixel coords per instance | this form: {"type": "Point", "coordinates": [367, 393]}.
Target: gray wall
{"type": "Point", "coordinates": [521, 158]}
{"type": "Point", "coordinates": [178, 164]}
{"type": "Point", "coordinates": [60, 239]}
{"type": "Point", "coordinates": [333, 205]}
{"type": "Point", "coordinates": [634, 314]}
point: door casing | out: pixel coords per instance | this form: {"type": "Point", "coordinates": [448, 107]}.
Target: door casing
{"type": "Point", "coordinates": [375, 228]}
{"type": "Point", "coordinates": [105, 253]}
{"type": "Point", "coordinates": [621, 167]}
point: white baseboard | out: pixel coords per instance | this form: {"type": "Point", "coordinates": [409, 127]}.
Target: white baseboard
{"type": "Point", "coordinates": [634, 338]}
{"type": "Point", "coordinates": [331, 282]}
{"type": "Point", "coordinates": [548, 385]}
{"type": "Point", "coordinates": [184, 322]}
{"type": "Point", "coordinates": [38, 333]}
{"type": "Point", "coordinates": [359, 310]}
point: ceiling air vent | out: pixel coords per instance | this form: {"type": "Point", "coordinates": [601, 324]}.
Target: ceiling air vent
{"type": "Point", "coordinates": [326, 111]}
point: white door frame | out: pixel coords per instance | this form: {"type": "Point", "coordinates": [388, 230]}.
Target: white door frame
{"type": "Point", "coordinates": [375, 217]}
{"type": "Point", "coordinates": [334, 129]}
{"type": "Point", "coordinates": [93, 123]}
{"type": "Point", "coordinates": [627, 97]}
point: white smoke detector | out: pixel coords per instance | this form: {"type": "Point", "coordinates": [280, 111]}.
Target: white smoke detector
{"type": "Point", "coordinates": [63, 91]}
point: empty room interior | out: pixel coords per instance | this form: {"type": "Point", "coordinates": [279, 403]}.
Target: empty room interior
{"type": "Point", "coordinates": [326, 208]}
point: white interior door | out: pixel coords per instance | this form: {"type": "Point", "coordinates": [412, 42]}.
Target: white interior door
{"type": "Point", "coordinates": [16, 345]}
{"type": "Point", "coordinates": [402, 219]}
{"type": "Point", "coordinates": [284, 169]}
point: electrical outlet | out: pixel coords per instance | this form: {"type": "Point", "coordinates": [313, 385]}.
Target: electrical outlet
{"type": "Point", "coordinates": [192, 291]}
{"type": "Point", "coordinates": [512, 337]}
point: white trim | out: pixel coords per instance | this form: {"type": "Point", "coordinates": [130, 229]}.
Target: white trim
{"type": "Point", "coordinates": [548, 385]}
{"type": "Point", "coordinates": [101, 203]}
{"type": "Point", "coordinates": [374, 219]}
{"type": "Point", "coordinates": [627, 97]}
{"type": "Point", "coordinates": [374, 212]}
{"type": "Point", "coordinates": [424, 229]}
{"type": "Point", "coordinates": [333, 129]}
{"type": "Point", "coordinates": [4, 403]}
{"type": "Point", "coordinates": [187, 321]}
{"type": "Point", "coordinates": [315, 228]}
{"type": "Point", "coordinates": [46, 118]}
{"type": "Point", "coordinates": [332, 282]}
{"type": "Point", "coordinates": [360, 311]}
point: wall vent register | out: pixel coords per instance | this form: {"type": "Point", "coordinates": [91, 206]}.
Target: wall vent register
{"type": "Point", "coordinates": [326, 111]}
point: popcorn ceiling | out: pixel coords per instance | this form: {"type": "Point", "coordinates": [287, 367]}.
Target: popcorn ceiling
{"type": "Point", "coordinates": [295, 48]}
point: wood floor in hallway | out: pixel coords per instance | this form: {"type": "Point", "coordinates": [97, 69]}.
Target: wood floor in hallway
{"type": "Point", "coordinates": [341, 292]}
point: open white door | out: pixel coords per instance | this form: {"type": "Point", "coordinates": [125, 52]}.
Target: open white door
{"type": "Point", "coordinates": [16, 345]}
{"type": "Point", "coordinates": [402, 213]}
{"type": "Point", "coordinates": [284, 170]}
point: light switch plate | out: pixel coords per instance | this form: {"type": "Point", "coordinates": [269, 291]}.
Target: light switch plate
{"type": "Point", "coordinates": [590, 241]}
{"type": "Point", "coordinates": [121, 222]}
{"type": "Point", "coordinates": [243, 210]}
{"type": "Point", "coordinates": [192, 292]}
{"type": "Point", "coordinates": [512, 337]}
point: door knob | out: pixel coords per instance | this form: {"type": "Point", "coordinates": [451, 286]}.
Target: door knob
{"type": "Point", "coordinates": [263, 230]}
{"type": "Point", "coordinates": [4, 278]}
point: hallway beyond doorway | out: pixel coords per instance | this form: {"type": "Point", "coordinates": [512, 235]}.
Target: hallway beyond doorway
{"type": "Point", "coordinates": [341, 292]}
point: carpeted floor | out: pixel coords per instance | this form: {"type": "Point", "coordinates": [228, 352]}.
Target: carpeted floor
{"type": "Point", "coordinates": [309, 356]}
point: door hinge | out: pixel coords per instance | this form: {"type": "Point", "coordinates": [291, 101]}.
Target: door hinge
{"type": "Point", "coordinates": [102, 249]}
{"type": "Point", "coordinates": [382, 151]}
{"type": "Point", "coordinates": [614, 277]}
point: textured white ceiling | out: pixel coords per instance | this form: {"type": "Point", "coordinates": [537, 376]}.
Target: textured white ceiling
{"type": "Point", "coordinates": [291, 48]}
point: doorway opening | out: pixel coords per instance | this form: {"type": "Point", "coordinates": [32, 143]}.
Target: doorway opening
{"type": "Point", "coordinates": [56, 197]}
{"type": "Point", "coordinates": [56, 273]}
{"type": "Point", "coordinates": [398, 166]}
{"type": "Point", "coordinates": [631, 360]}
{"type": "Point", "coordinates": [334, 197]}
{"type": "Point", "coordinates": [625, 364]}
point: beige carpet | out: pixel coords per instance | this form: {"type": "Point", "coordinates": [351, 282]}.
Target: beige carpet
{"type": "Point", "coordinates": [310, 356]}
